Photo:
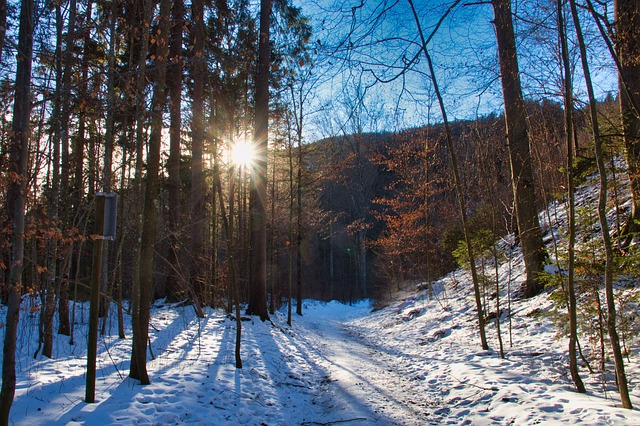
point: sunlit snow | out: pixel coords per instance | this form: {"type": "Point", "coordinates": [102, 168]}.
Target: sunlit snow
{"type": "Point", "coordinates": [417, 361]}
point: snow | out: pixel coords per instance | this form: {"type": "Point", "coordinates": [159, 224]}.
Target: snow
{"type": "Point", "coordinates": [416, 361]}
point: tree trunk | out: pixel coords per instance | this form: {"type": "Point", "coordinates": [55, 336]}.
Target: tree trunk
{"type": "Point", "coordinates": [65, 216]}
{"type": "Point", "coordinates": [16, 196]}
{"type": "Point", "coordinates": [494, 252]}
{"type": "Point", "coordinates": [290, 242]}
{"type": "Point", "coordinates": [462, 204]}
{"type": "Point", "coordinates": [272, 230]}
{"type": "Point", "coordinates": [227, 224]}
{"type": "Point", "coordinates": [174, 82]}
{"type": "Point", "coordinates": [258, 287]}
{"type": "Point", "coordinates": [121, 238]}
{"type": "Point", "coordinates": [54, 196]}
{"type": "Point", "coordinates": [141, 333]}
{"type": "Point", "coordinates": [139, 344]}
{"type": "Point", "coordinates": [106, 183]}
{"type": "Point", "coordinates": [197, 142]}
{"type": "Point", "coordinates": [299, 212]}
{"type": "Point", "coordinates": [621, 377]}
{"type": "Point", "coordinates": [519, 154]}
{"type": "Point", "coordinates": [627, 18]}
{"type": "Point", "coordinates": [568, 113]}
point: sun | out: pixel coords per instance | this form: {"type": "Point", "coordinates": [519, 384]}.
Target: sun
{"type": "Point", "coordinates": [242, 153]}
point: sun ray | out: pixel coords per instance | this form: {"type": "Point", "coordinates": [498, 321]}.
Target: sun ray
{"type": "Point", "coordinates": [242, 153]}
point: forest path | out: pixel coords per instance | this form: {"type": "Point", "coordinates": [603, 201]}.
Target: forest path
{"type": "Point", "coordinates": [364, 383]}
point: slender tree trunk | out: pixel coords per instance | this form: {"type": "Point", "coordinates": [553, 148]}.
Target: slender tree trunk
{"type": "Point", "coordinates": [214, 206]}
{"type": "Point", "coordinates": [290, 242]}
{"type": "Point", "coordinates": [568, 114]}
{"type": "Point", "coordinates": [121, 237]}
{"type": "Point", "coordinates": [197, 146]}
{"type": "Point", "coordinates": [299, 122]}
{"type": "Point", "coordinates": [109, 136]}
{"type": "Point", "coordinates": [138, 353]}
{"type": "Point", "coordinates": [331, 253]}
{"type": "Point", "coordinates": [141, 333]}
{"type": "Point", "coordinates": [519, 151]}
{"type": "Point", "coordinates": [16, 197]}
{"type": "Point", "coordinates": [174, 85]}
{"type": "Point", "coordinates": [462, 204]}
{"type": "Point", "coordinates": [258, 287]}
{"type": "Point", "coordinates": [272, 231]}
{"type": "Point", "coordinates": [65, 111]}
{"type": "Point", "coordinates": [83, 118]}
{"type": "Point", "coordinates": [54, 196]}
{"type": "Point", "coordinates": [425, 210]}
{"type": "Point", "coordinates": [494, 251]}
{"type": "Point", "coordinates": [110, 133]}
{"type": "Point", "coordinates": [106, 182]}
{"type": "Point", "coordinates": [602, 215]}
{"type": "Point", "coordinates": [227, 224]}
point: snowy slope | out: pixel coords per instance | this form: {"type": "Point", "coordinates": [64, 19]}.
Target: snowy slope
{"type": "Point", "coordinates": [418, 361]}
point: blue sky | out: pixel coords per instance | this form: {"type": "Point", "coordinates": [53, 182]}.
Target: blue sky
{"type": "Point", "coordinates": [463, 51]}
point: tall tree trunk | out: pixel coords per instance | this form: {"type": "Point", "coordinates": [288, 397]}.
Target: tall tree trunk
{"type": "Point", "coordinates": [258, 286]}
{"type": "Point", "coordinates": [627, 14]}
{"type": "Point", "coordinates": [109, 136]}
{"type": "Point", "coordinates": [621, 377]}
{"type": "Point", "coordinates": [138, 356]}
{"type": "Point", "coordinates": [568, 114]}
{"type": "Point", "coordinates": [299, 223]}
{"type": "Point", "coordinates": [174, 85]}
{"type": "Point", "coordinates": [290, 242]}
{"type": "Point", "coordinates": [227, 224]}
{"type": "Point", "coordinates": [16, 197]}
{"type": "Point", "coordinates": [65, 165]}
{"type": "Point", "coordinates": [106, 183]}
{"type": "Point", "coordinates": [462, 204]}
{"type": "Point", "coordinates": [141, 333]}
{"type": "Point", "coordinates": [272, 231]}
{"type": "Point", "coordinates": [83, 118]}
{"type": "Point", "coordinates": [519, 152]}
{"type": "Point", "coordinates": [121, 238]}
{"type": "Point", "coordinates": [54, 196]}
{"type": "Point", "coordinates": [197, 146]}
{"type": "Point", "coordinates": [331, 252]}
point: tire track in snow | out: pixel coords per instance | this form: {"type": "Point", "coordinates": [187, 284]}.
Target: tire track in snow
{"type": "Point", "coordinates": [364, 384]}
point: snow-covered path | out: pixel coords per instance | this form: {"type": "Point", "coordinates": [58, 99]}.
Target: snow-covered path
{"type": "Point", "coordinates": [319, 371]}
{"type": "Point", "coordinates": [413, 363]}
{"type": "Point", "coordinates": [363, 384]}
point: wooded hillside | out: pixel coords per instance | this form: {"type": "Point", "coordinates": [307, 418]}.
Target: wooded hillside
{"type": "Point", "coordinates": [197, 115]}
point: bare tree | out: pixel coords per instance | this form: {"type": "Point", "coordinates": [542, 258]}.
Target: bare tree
{"type": "Point", "coordinates": [174, 82]}
{"type": "Point", "coordinates": [198, 66]}
{"type": "Point", "coordinates": [457, 181]}
{"type": "Point", "coordinates": [523, 184]}
{"type": "Point", "coordinates": [258, 195]}
{"type": "Point", "coordinates": [142, 313]}
{"type": "Point", "coordinates": [621, 377]}
{"type": "Point", "coordinates": [569, 135]}
{"type": "Point", "coordinates": [16, 197]}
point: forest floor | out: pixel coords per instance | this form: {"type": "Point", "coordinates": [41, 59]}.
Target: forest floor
{"type": "Point", "coordinates": [415, 361]}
